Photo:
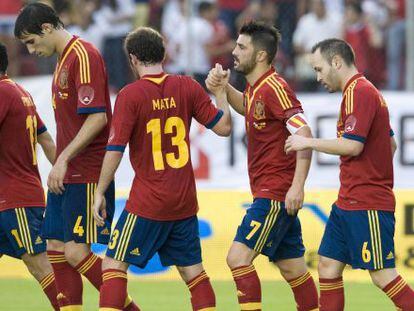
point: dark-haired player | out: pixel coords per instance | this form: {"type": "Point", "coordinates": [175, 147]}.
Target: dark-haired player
{"type": "Point", "coordinates": [81, 103]}
{"type": "Point", "coordinates": [153, 115]}
{"type": "Point", "coordinates": [271, 226]}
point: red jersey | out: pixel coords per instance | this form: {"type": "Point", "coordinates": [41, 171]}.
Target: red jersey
{"type": "Point", "coordinates": [367, 179]}
{"type": "Point", "coordinates": [269, 104]}
{"type": "Point", "coordinates": [20, 184]}
{"type": "Point", "coordinates": [79, 88]}
{"type": "Point", "coordinates": [154, 116]}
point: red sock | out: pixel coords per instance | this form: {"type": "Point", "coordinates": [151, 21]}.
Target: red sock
{"type": "Point", "coordinates": [49, 287]}
{"type": "Point", "coordinates": [400, 293]}
{"type": "Point", "coordinates": [332, 294]}
{"type": "Point", "coordinates": [249, 292]}
{"type": "Point", "coordinates": [113, 293]}
{"type": "Point", "coordinates": [202, 294]}
{"type": "Point", "coordinates": [91, 268]}
{"type": "Point", "coordinates": [304, 290]}
{"type": "Point", "coordinates": [68, 281]}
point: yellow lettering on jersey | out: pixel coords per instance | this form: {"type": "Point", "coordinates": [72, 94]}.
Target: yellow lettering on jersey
{"type": "Point", "coordinates": [163, 103]}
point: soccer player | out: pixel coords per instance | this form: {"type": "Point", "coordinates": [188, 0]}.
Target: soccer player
{"type": "Point", "coordinates": [22, 198]}
{"type": "Point", "coordinates": [271, 226]}
{"type": "Point", "coordinates": [153, 115]}
{"type": "Point", "coordinates": [81, 104]}
{"type": "Point", "coordinates": [360, 229]}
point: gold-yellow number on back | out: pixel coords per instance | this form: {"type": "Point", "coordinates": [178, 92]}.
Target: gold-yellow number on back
{"type": "Point", "coordinates": [31, 126]}
{"type": "Point", "coordinates": [154, 127]}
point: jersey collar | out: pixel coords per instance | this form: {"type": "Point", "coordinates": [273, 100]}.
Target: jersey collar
{"type": "Point", "coordinates": [155, 78]}
{"type": "Point", "coordinates": [355, 77]}
{"type": "Point", "coordinates": [264, 76]}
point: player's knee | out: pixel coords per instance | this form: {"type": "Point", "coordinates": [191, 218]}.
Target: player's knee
{"type": "Point", "coordinates": [55, 245]}
{"type": "Point", "coordinates": [327, 270]}
{"type": "Point", "coordinates": [235, 260]}
{"type": "Point", "coordinates": [383, 277]}
{"type": "Point", "coordinates": [110, 263]}
{"type": "Point", "coordinates": [74, 255]}
{"type": "Point", "coordinates": [292, 270]}
{"type": "Point", "coordinates": [37, 265]}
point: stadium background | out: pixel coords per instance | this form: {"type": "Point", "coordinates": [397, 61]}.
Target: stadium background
{"type": "Point", "coordinates": [199, 34]}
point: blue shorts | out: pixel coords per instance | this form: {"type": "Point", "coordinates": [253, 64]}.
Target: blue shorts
{"type": "Point", "coordinates": [69, 216]}
{"type": "Point", "coordinates": [135, 240]}
{"type": "Point", "coordinates": [363, 239]}
{"type": "Point", "coordinates": [20, 231]}
{"type": "Point", "coordinates": [269, 230]}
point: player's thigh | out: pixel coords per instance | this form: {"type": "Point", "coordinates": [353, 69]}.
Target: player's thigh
{"type": "Point", "coordinates": [182, 247]}
{"type": "Point", "coordinates": [79, 223]}
{"type": "Point", "coordinates": [264, 226]}
{"type": "Point", "coordinates": [110, 263]}
{"type": "Point", "coordinates": [240, 255]}
{"type": "Point", "coordinates": [22, 228]}
{"type": "Point", "coordinates": [371, 239]}
{"type": "Point", "coordinates": [135, 240]}
{"type": "Point", "coordinates": [52, 226]}
{"type": "Point", "coordinates": [335, 244]}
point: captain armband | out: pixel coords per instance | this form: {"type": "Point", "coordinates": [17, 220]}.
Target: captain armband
{"type": "Point", "coordinates": [296, 122]}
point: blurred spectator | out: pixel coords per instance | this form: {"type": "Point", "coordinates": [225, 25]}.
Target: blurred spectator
{"type": "Point", "coordinates": [189, 42]}
{"type": "Point", "coordinates": [229, 11]}
{"type": "Point", "coordinates": [252, 11]}
{"type": "Point", "coordinates": [365, 39]}
{"type": "Point", "coordinates": [8, 14]}
{"type": "Point", "coordinates": [114, 18]}
{"type": "Point", "coordinates": [221, 45]}
{"type": "Point", "coordinates": [313, 27]}
{"type": "Point", "coordinates": [395, 44]}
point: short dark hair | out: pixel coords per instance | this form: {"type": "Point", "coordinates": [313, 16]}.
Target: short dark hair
{"type": "Point", "coordinates": [33, 16]}
{"type": "Point", "coordinates": [264, 37]}
{"type": "Point", "coordinates": [331, 47]}
{"type": "Point", "coordinates": [356, 7]}
{"type": "Point", "coordinates": [4, 60]}
{"type": "Point", "coordinates": [146, 44]}
{"type": "Point", "coordinates": [204, 6]}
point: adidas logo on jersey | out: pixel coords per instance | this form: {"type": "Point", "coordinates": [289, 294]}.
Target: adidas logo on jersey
{"type": "Point", "coordinates": [135, 252]}
{"type": "Point", "coordinates": [38, 240]}
{"type": "Point", "coordinates": [390, 256]}
{"type": "Point", "coordinates": [105, 231]}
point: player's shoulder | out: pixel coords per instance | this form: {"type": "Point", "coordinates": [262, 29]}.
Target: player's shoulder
{"type": "Point", "coordinates": [274, 85]}
{"type": "Point", "coordinates": [364, 88]}
{"type": "Point", "coordinates": [85, 48]}
{"type": "Point", "coordinates": [9, 89]}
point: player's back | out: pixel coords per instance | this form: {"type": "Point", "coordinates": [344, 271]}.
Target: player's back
{"type": "Point", "coordinates": [163, 106]}
{"type": "Point", "coordinates": [20, 183]}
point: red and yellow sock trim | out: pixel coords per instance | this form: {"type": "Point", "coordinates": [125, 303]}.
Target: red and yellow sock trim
{"type": "Point", "coordinates": [241, 271]}
{"type": "Point", "coordinates": [300, 280]}
{"type": "Point", "coordinates": [398, 287]}
{"type": "Point", "coordinates": [250, 306]}
{"type": "Point", "coordinates": [201, 277]}
{"type": "Point", "coordinates": [47, 280]}
{"type": "Point", "coordinates": [56, 257]}
{"type": "Point", "coordinates": [113, 274]}
{"type": "Point", "coordinates": [88, 263]}
{"type": "Point", "coordinates": [331, 285]}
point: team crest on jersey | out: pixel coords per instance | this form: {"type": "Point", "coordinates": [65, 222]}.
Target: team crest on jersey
{"type": "Point", "coordinates": [63, 78]}
{"type": "Point", "coordinates": [259, 110]}
{"type": "Point", "coordinates": [350, 123]}
{"type": "Point", "coordinates": [86, 94]}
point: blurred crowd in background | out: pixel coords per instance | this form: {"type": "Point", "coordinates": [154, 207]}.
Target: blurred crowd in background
{"type": "Point", "coordinates": [200, 33]}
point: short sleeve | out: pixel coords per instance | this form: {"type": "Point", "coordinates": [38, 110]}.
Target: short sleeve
{"type": "Point", "coordinates": [90, 81]}
{"type": "Point", "coordinates": [41, 127]}
{"type": "Point", "coordinates": [360, 110]}
{"type": "Point", "coordinates": [204, 110]}
{"type": "Point", "coordinates": [123, 122]}
{"type": "Point", "coordinates": [281, 101]}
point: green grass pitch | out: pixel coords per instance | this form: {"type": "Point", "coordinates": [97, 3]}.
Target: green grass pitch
{"type": "Point", "coordinates": [26, 295]}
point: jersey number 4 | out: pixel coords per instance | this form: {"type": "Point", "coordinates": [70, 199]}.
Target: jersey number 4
{"type": "Point", "coordinates": [172, 125]}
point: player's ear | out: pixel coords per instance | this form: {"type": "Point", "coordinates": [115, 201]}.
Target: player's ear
{"type": "Point", "coordinates": [337, 62]}
{"type": "Point", "coordinates": [47, 28]}
{"type": "Point", "coordinates": [261, 56]}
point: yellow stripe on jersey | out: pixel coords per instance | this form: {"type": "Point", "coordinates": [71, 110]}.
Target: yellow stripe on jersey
{"type": "Point", "coordinates": [62, 61]}
{"type": "Point", "coordinates": [250, 99]}
{"type": "Point", "coordinates": [349, 97]}
{"type": "Point", "coordinates": [125, 237]}
{"type": "Point", "coordinates": [24, 230]}
{"type": "Point", "coordinates": [281, 93]}
{"type": "Point", "coordinates": [83, 57]}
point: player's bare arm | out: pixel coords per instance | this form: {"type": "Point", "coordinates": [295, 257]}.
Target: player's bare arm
{"type": "Point", "coordinates": [48, 146]}
{"type": "Point", "coordinates": [393, 146]}
{"type": "Point", "coordinates": [92, 126]}
{"type": "Point", "coordinates": [110, 165]}
{"type": "Point", "coordinates": [295, 195]}
{"type": "Point", "coordinates": [339, 146]}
